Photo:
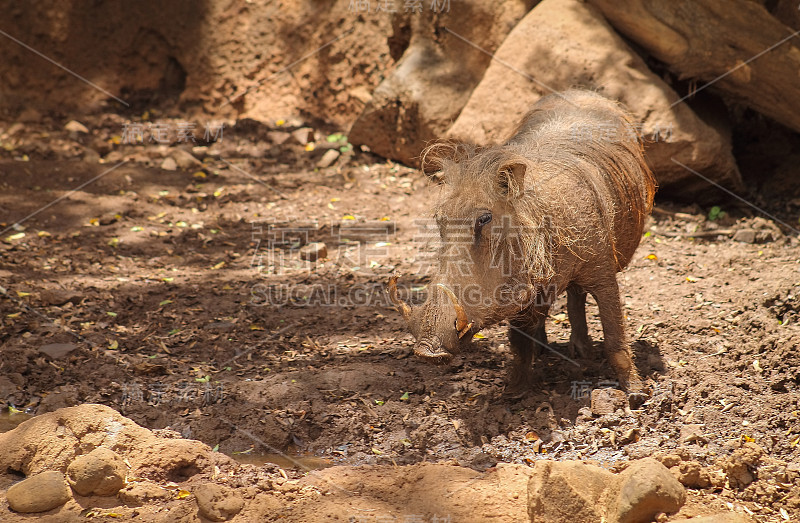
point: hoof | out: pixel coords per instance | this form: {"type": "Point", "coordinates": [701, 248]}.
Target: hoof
{"type": "Point", "coordinates": [578, 348]}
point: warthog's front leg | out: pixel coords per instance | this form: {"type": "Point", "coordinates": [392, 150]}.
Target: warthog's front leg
{"type": "Point", "coordinates": [615, 343]}
{"type": "Point", "coordinates": [526, 335]}
{"type": "Point", "coordinates": [579, 342]}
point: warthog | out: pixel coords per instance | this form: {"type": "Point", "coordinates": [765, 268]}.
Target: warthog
{"type": "Point", "coordinates": [560, 206]}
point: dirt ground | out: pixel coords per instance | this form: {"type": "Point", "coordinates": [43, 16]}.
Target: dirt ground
{"type": "Point", "coordinates": [180, 299]}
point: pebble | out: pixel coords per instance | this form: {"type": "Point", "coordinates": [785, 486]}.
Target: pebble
{"type": "Point", "coordinates": [39, 493]}
{"type": "Point", "coordinates": [314, 251]}
{"type": "Point", "coordinates": [169, 164]}
{"type": "Point", "coordinates": [303, 135]}
{"type": "Point", "coordinates": [185, 160]}
{"type": "Point", "coordinates": [328, 159]}
{"type": "Point", "coordinates": [74, 126]}
{"type": "Point", "coordinates": [745, 236]}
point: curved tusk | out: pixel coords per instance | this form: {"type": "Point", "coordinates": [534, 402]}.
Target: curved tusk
{"type": "Point", "coordinates": [463, 325]}
{"type": "Point", "coordinates": [402, 306]}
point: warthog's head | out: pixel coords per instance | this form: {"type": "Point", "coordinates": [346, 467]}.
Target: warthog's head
{"type": "Point", "coordinates": [493, 249]}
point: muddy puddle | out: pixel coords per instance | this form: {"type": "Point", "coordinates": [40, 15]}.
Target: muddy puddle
{"type": "Point", "coordinates": [285, 461]}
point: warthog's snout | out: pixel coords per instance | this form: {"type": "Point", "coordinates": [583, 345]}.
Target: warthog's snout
{"type": "Point", "coordinates": [436, 326]}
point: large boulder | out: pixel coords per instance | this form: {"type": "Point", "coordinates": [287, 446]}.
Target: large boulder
{"type": "Point", "coordinates": [566, 43]}
{"type": "Point", "coordinates": [56, 440]}
{"type": "Point", "coordinates": [445, 58]}
{"type": "Point", "coordinates": [736, 46]}
{"type": "Point", "coordinates": [574, 491]}
{"type": "Point", "coordinates": [39, 493]}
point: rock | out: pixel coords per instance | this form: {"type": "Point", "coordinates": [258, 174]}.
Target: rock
{"type": "Point", "coordinates": [566, 43]}
{"type": "Point", "coordinates": [39, 493]}
{"type": "Point", "coordinates": [362, 94]}
{"type": "Point", "coordinates": [578, 492]}
{"type": "Point", "coordinates": [53, 440]}
{"type": "Point", "coordinates": [692, 433]}
{"type": "Point", "coordinates": [217, 502]}
{"type": "Point", "coordinates": [185, 160]}
{"type": "Point", "coordinates": [74, 126]}
{"type": "Point", "coordinates": [434, 77]}
{"type": "Point", "coordinates": [737, 31]}
{"type": "Point", "coordinates": [745, 236]}
{"type": "Point", "coordinates": [200, 151]}
{"type": "Point", "coordinates": [303, 135]}
{"type": "Point", "coordinates": [141, 492]}
{"type": "Point", "coordinates": [646, 488]}
{"type": "Point", "coordinates": [60, 296]}
{"type": "Point", "coordinates": [607, 401]}
{"type": "Point", "coordinates": [314, 251]}
{"type": "Point", "coordinates": [740, 466]}
{"type": "Point", "coordinates": [691, 474]}
{"type": "Point", "coordinates": [278, 137]}
{"type": "Point", "coordinates": [90, 155]}
{"type": "Point", "coordinates": [722, 517]}
{"type": "Point", "coordinates": [670, 460]}
{"type": "Point", "coordinates": [57, 350]}
{"type": "Point", "coordinates": [328, 159]}
{"type": "Point", "coordinates": [169, 164]}
{"type": "Point", "coordinates": [567, 491]}
{"type": "Point", "coordinates": [101, 472]}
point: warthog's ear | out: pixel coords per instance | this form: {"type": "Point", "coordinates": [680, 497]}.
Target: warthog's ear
{"type": "Point", "coordinates": [511, 178]}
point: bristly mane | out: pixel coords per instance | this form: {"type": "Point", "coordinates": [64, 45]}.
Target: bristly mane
{"type": "Point", "coordinates": [467, 164]}
{"type": "Point", "coordinates": [611, 165]}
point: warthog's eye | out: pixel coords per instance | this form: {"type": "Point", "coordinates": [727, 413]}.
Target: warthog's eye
{"type": "Point", "coordinates": [482, 220]}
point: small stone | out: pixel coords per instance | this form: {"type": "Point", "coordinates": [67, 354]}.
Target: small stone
{"type": "Point", "coordinates": [74, 126]}
{"type": "Point", "coordinates": [607, 401]}
{"type": "Point", "coordinates": [646, 488]}
{"type": "Point", "coordinates": [314, 251]}
{"type": "Point", "coordinates": [692, 433]}
{"type": "Point", "coordinates": [303, 135]}
{"type": "Point", "coordinates": [745, 236]}
{"type": "Point", "coordinates": [740, 466]}
{"type": "Point", "coordinates": [691, 474]}
{"type": "Point", "coordinates": [90, 155]}
{"type": "Point", "coordinates": [185, 160]}
{"type": "Point", "coordinates": [100, 472]}
{"type": "Point", "coordinates": [57, 350]}
{"type": "Point", "coordinates": [200, 151]}
{"type": "Point", "coordinates": [670, 460]}
{"type": "Point", "coordinates": [217, 502]}
{"type": "Point", "coordinates": [39, 493]}
{"type": "Point", "coordinates": [169, 164]}
{"type": "Point", "coordinates": [362, 94]}
{"type": "Point", "coordinates": [278, 137]}
{"type": "Point", "coordinates": [328, 159]}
